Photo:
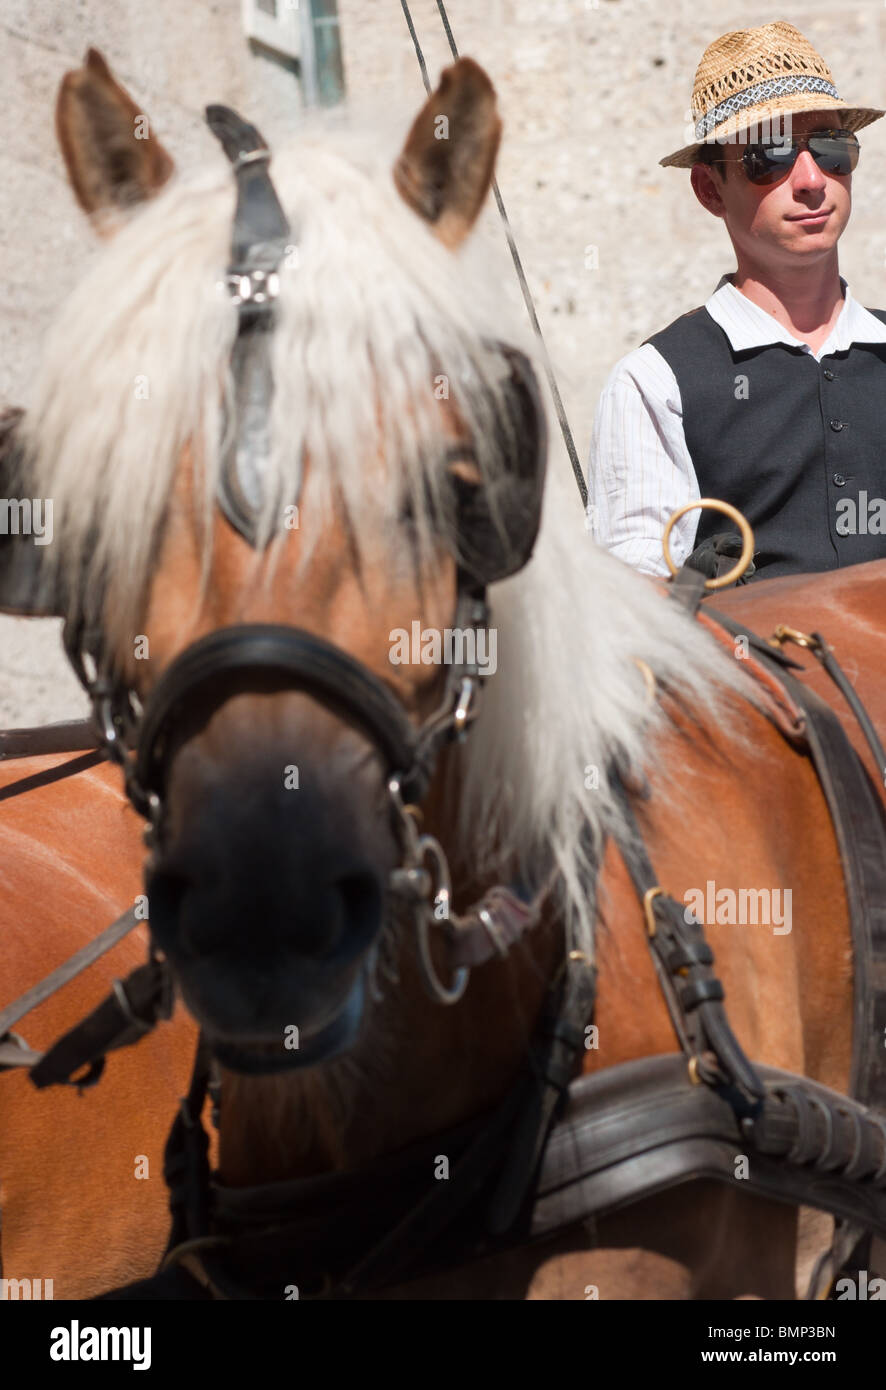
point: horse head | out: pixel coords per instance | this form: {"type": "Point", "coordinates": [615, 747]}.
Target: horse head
{"type": "Point", "coordinates": [313, 456]}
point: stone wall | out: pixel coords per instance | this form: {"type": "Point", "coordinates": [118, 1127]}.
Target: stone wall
{"type": "Point", "coordinates": [593, 93]}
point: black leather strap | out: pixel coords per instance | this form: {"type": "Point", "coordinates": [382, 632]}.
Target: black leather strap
{"type": "Point", "coordinates": [212, 667]}
{"type": "Point", "coordinates": [261, 231]}
{"type": "Point", "coordinates": [639, 1128]}
{"type": "Point", "coordinates": [684, 961]}
{"type": "Point", "coordinates": [560, 1042]}
{"type": "Point", "coordinates": [259, 239]}
{"type": "Point", "coordinates": [68, 737]}
{"type": "Point", "coordinates": [131, 1010]}
{"type": "Point", "coordinates": [68, 970]}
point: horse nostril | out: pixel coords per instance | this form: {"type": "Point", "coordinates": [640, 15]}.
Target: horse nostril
{"type": "Point", "coordinates": [361, 904]}
{"type": "Point", "coordinates": [338, 916]}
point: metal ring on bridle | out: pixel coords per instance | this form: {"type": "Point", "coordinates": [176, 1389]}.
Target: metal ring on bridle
{"type": "Point", "coordinates": [429, 848]}
{"type": "Point", "coordinates": [747, 539]}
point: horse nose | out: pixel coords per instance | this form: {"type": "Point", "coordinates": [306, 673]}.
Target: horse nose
{"type": "Point", "coordinates": [258, 868]}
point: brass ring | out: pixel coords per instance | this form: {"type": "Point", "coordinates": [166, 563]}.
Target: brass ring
{"type": "Point", "coordinates": [747, 539]}
{"type": "Point", "coordinates": [648, 910]}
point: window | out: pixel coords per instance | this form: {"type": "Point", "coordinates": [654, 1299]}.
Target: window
{"type": "Point", "coordinates": [274, 24]}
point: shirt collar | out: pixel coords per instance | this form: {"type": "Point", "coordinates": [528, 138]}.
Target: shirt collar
{"type": "Point", "coordinates": [746, 325]}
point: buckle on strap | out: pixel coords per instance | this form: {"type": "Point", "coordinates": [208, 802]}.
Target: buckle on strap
{"type": "Point", "coordinates": [783, 634]}
{"type": "Point", "coordinates": [120, 1020]}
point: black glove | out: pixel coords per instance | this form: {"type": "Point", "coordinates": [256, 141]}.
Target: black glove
{"type": "Point", "coordinates": [718, 554]}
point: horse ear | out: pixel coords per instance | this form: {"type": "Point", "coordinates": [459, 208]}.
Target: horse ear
{"type": "Point", "coordinates": [113, 158]}
{"type": "Point", "coordinates": [448, 161]}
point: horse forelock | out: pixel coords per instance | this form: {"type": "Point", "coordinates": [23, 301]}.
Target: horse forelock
{"type": "Point", "coordinates": [376, 323]}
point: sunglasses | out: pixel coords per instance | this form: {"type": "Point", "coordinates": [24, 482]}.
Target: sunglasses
{"type": "Point", "coordinates": [834, 151]}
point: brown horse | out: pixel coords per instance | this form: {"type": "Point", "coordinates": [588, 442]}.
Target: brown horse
{"type": "Point", "coordinates": [274, 839]}
{"type": "Point", "coordinates": [81, 1175]}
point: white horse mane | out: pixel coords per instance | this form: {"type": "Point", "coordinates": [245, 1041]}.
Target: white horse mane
{"type": "Point", "coordinates": [132, 373]}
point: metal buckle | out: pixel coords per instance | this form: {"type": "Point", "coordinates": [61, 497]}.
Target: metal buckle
{"type": "Point", "coordinates": [253, 287]}
{"type": "Point", "coordinates": [783, 634]}
{"type": "Point", "coordinates": [464, 705]}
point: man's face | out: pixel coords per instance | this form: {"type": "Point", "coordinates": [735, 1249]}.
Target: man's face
{"type": "Point", "coordinates": [802, 216]}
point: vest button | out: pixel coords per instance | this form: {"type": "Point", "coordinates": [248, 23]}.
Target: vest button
{"type": "Point", "coordinates": [839, 480]}
{"type": "Point", "coordinates": [828, 374]}
{"type": "Point", "coordinates": [836, 424]}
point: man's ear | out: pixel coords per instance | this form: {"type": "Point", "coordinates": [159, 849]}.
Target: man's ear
{"type": "Point", "coordinates": [447, 163]}
{"type": "Point", "coordinates": [707, 189]}
{"type": "Point", "coordinates": [113, 158]}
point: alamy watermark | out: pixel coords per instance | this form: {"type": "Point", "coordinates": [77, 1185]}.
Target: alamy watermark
{"type": "Point", "coordinates": [730, 907]}
{"type": "Point", "coordinates": [865, 517]}
{"type": "Point", "coordinates": [76, 1343]}
{"type": "Point", "coordinates": [768, 130]}
{"type": "Point", "coordinates": [449, 646]}
{"type": "Point", "coordinates": [27, 516]}
{"type": "Point", "coordinates": [28, 1290]}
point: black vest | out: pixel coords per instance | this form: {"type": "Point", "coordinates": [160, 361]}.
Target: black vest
{"type": "Point", "coordinates": [788, 440]}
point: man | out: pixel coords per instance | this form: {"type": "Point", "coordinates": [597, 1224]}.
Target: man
{"type": "Point", "coordinates": [773, 395]}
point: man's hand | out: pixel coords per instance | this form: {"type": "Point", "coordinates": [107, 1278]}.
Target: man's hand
{"type": "Point", "coordinates": [718, 554]}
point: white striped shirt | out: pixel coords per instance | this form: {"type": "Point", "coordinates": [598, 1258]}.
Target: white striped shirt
{"type": "Point", "coordinates": [640, 470]}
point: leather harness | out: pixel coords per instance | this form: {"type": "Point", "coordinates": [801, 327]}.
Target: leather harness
{"type": "Point", "coordinates": [580, 1148]}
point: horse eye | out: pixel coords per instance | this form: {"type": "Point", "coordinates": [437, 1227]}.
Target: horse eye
{"type": "Point", "coordinates": [464, 471]}
{"type": "Point", "coordinates": [462, 481]}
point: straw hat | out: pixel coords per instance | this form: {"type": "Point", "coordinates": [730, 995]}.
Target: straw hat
{"type": "Point", "coordinates": [754, 74]}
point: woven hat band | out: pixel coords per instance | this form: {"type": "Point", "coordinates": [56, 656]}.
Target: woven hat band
{"type": "Point", "coordinates": [762, 92]}
{"type": "Point", "coordinates": [752, 77]}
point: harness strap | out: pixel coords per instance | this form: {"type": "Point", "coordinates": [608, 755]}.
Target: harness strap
{"type": "Point", "coordinates": [639, 1128]}
{"type": "Point", "coordinates": [569, 1008]}
{"type": "Point", "coordinates": [64, 973]}
{"type": "Point", "coordinates": [684, 964]}
{"type": "Point", "coordinates": [68, 737]}
{"type": "Point", "coordinates": [131, 1010]}
{"type": "Point", "coordinates": [186, 1161]}
{"type": "Point", "coordinates": [824, 654]}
